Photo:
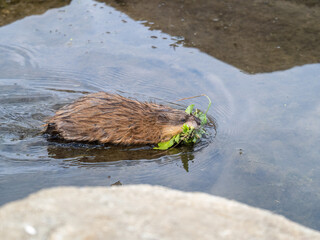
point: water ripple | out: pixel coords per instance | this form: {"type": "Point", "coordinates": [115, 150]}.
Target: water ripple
{"type": "Point", "coordinates": [20, 55]}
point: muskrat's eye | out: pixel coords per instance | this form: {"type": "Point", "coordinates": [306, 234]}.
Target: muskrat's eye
{"type": "Point", "coordinates": [183, 119]}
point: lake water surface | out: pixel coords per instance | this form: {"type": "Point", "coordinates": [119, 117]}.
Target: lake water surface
{"type": "Point", "coordinates": [265, 151]}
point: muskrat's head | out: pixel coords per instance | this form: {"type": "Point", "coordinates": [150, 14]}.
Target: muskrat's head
{"type": "Point", "coordinates": [174, 122]}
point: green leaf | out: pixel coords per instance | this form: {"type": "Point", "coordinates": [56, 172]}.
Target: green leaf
{"type": "Point", "coordinates": [189, 109]}
{"type": "Point", "coordinates": [177, 138]}
{"type": "Point", "coordinates": [203, 119]}
{"type": "Point", "coordinates": [185, 128]}
{"type": "Point", "coordinates": [165, 145]}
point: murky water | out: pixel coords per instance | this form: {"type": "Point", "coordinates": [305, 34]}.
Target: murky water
{"type": "Point", "coordinates": [266, 149]}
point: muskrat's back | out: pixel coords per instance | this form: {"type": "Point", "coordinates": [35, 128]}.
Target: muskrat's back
{"type": "Point", "coordinates": [110, 118]}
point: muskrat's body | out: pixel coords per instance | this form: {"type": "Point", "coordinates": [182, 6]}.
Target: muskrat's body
{"type": "Point", "coordinates": [109, 118]}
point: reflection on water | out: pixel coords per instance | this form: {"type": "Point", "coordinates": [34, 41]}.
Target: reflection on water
{"type": "Point", "coordinates": [90, 154]}
{"type": "Point", "coordinates": [12, 10]}
{"type": "Point", "coordinates": [265, 151]}
{"type": "Point", "coordinates": [255, 36]}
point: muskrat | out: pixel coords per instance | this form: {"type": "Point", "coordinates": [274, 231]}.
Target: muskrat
{"type": "Point", "coordinates": [110, 118]}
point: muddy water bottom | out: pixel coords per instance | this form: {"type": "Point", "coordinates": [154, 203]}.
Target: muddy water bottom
{"type": "Point", "coordinates": [265, 152]}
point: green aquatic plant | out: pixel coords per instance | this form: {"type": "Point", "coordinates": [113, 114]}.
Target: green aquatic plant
{"type": "Point", "coordinates": [189, 135]}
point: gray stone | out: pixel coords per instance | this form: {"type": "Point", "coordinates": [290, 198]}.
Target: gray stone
{"type": "Point", "coordinates": [140, 212]}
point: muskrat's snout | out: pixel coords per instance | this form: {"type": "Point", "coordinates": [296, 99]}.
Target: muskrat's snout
{"type": "Point", "coordinates": [193, 121]}
{"type": "Point", "coordinates": [176, 124]}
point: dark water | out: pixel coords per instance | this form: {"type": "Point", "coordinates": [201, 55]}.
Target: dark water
{"type": "Point", "coordinates": [266, 150]}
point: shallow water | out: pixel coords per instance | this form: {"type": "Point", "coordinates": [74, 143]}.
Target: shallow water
{"type": "Point", "coordinates": [266, 149]}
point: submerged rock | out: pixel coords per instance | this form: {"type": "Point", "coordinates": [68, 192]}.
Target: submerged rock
{"type": "Point", "coordinates": [140, 212]}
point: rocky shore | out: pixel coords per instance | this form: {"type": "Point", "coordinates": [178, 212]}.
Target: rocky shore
{"type": "Point", "coordinates": [140, 212]}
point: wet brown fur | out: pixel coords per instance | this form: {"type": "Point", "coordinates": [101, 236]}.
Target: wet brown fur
{"type": "Point", "coordinates": [110, 118]}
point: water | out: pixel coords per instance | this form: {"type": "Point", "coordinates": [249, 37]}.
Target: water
{"type": "Point", "coordinates": [266, 149]}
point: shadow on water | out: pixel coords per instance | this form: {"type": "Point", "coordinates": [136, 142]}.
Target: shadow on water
{"type": "Point", "coordinates": [265, 152]}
